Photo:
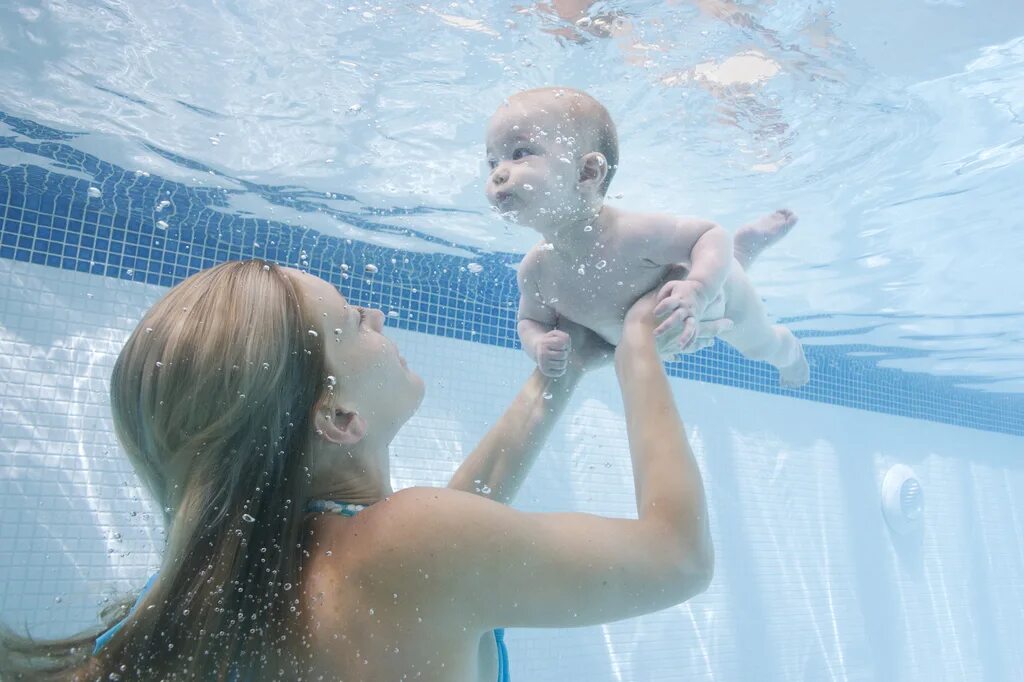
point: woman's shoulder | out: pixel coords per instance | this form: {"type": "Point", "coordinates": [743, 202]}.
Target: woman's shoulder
{"type": "Point", "coordinates": [416, 537]}
{"type": "Point", "coordinates": [408, 530]}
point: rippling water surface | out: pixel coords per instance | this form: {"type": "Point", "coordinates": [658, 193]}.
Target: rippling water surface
{"type": "Point", "coordinates": [895, 132]}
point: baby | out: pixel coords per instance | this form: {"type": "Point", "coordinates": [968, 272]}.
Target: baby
{"type": "Point", "coordinates": [552, 154]}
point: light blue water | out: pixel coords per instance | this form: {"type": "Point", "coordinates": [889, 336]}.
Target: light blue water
{"type": "Point", "coordinates": [141, 141]}
{"type": "Point", "coordinates": [895, 133]}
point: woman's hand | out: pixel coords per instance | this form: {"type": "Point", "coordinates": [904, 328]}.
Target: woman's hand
{"type": "Point", "coordinates": [675, 333]}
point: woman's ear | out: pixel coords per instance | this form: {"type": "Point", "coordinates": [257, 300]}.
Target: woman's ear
{"type": "Point", "coordinates": [594, 169]}
{"type": "Point", "coordinates": [340, 426]}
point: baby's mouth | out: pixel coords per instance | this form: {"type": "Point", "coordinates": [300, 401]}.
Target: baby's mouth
{"type": "Point", "coordinates": [503, 199]}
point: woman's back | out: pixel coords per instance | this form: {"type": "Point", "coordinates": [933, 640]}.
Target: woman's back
{"type": "Point", "coordinates": [368, 621]}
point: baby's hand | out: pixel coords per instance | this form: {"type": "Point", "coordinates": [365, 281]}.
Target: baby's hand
{"type": "Point", "coordinates": [552, 353]}
{"type": "Point", "coordinates": [707, 330]}
{"type": "Point", "coordinates": [680, 306]}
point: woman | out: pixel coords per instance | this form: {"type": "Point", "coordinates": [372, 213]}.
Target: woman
{"type": "Point", "coordinates": [257, 406]}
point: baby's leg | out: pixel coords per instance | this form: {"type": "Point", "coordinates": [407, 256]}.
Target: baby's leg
{"type": "Point", "coordinates": [758, 339]}
{"type": "Point", "coordinates": [753, 238]}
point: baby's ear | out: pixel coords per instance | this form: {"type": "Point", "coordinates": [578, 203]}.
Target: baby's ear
{"type": "Point", "coordinates": [594, 169]}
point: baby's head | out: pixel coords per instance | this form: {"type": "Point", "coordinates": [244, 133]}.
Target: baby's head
{"type": "Point", "coordinates": [552, 154]}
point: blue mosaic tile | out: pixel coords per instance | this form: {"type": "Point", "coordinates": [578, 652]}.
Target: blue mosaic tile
{"type": "Point", "coordinates": [117, 230]}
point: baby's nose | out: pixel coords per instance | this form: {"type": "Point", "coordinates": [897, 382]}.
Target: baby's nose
{"type": "Point", "coordinates": [499, 176]}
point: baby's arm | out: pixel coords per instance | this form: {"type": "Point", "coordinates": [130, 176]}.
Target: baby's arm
{"type": "Point", "coordinates": [704, 244]}
{"type": "Point", "coordinates": [547, 346]}
{"type": "Point", "coordinates": [707, 249]}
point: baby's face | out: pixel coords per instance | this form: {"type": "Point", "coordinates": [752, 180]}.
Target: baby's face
{"type": "Point", "coordinates": [533, 157]}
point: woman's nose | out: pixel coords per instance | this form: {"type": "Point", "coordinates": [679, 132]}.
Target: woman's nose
{"type": "Point", "coordinates": [376, 319]}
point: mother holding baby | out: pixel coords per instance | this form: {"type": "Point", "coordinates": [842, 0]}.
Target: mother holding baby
{"type": "Point", "coordinates": [258, 405]}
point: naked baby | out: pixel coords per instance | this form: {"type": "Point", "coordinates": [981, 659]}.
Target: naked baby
{"type": "Point", "coordinates": [552, 154]}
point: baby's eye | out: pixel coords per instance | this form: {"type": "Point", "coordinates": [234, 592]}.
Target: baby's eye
{"type": "Point", "coordinates": [520, 153]}
{"type": "Point", "coordinates": [492, 164]}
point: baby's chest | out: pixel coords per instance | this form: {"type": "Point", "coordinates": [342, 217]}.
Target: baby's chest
{"type": "Point", "coordinates": [597, 292]}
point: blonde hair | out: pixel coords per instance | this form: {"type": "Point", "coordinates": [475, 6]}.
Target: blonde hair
{"type": "Point", "coordinates": [591, 119]}
{"type": "Point", "coordinates": [212, 397]}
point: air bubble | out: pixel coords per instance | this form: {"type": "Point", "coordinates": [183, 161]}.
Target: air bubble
{"type": "Point", "coordinates": [371, 268]}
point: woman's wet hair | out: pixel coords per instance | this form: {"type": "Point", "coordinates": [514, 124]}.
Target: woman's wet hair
{"type": "Point", "coordinates": [212, 397]}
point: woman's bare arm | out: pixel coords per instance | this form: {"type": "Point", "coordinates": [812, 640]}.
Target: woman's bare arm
{"type": "Point", "coordinates": [502, 459]}
{"type": "Point", "coordinates": [491, 565]}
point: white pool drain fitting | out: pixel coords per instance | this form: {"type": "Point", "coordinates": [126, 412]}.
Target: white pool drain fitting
{"type": "Point", "coordinates": [902, 500]}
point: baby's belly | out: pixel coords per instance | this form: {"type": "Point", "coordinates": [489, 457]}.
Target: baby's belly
{"type": "Point", "coordinates": [604, 319]}
{"type": "Point", "coordinates": [609, 328]}
{"type": "Point", "coordinates": [599, 302]}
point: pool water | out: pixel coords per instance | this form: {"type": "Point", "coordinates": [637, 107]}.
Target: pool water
{"type": "Point", "coordinates": [140, 142]}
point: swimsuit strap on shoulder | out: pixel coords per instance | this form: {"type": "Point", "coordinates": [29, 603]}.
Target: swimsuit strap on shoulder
{"type": "Point", "coordinates": [335, 507]}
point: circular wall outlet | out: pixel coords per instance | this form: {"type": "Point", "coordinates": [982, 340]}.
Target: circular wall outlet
{"type": "Point", "coordinates": [902, 500]}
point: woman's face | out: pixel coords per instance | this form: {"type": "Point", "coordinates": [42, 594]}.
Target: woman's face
{"type": "Point", "coordinates": [370, 376]}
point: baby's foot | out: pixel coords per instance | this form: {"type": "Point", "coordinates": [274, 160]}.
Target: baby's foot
{"type": "Point", "coordinates": [797, 373]}
{"type": "Point", "coordinates": [755, 237]}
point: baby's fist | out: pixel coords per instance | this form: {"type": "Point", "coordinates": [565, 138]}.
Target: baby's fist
{"type": "Point", "coordinates": [552, 353]}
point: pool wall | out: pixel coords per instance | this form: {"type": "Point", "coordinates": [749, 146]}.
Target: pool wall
{"type": "Point", "coordinates": [810, 583]}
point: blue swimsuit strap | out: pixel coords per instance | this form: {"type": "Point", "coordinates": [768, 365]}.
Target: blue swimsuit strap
{"type": "Point", "coordinates": [106, 636]}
